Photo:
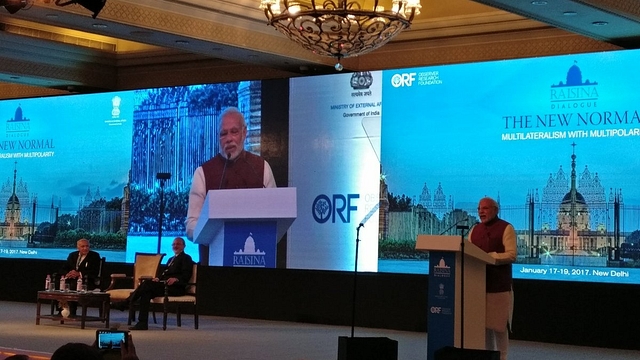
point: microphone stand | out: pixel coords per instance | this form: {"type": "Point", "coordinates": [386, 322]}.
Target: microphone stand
{"type": "Point", "coordinates": [162, 177]}
{"type": "Point", "coordinates": [355, 282]}
{"type": "Point", "coordinates": [462, 228]}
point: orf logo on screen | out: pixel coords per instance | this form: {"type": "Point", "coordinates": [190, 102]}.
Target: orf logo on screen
{"type": "Point", "coordinates": [404, 79]}
{"type": "Point", "coordinates": [325, 208]}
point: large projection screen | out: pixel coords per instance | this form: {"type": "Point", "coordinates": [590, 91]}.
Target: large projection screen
{"type": "Point", "coordinates": [86, 166]}
{"type": "Point", "coordinates": [554, 140]}
{"type": "Point", "coordinates": [65, 163]}
{"type": "Point", "coordinates": [377, 158]}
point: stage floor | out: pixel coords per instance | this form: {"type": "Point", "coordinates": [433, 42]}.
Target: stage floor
{"type": "Point", "coordinates": [243, 339]}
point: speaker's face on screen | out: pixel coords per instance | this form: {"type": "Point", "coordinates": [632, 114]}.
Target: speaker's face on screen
{"type": "Point", "coordinates": [232, 135]}
{"type": "Point", "coordinates": [487, 210]}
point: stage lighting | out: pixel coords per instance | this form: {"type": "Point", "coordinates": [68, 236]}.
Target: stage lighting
{"type": "Point", "coordinates": [13, 6]}
{"type": "Point", "coordinates": [92, 5]}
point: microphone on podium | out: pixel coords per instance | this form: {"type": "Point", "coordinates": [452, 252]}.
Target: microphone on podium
{"type": "Point", "coordinates": [457, 225]}
{"type": "Point", "coordinates": [224, 170]}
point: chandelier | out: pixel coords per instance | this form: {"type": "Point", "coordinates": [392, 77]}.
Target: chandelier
{"type": "Point", "coordinates": [340, 28]}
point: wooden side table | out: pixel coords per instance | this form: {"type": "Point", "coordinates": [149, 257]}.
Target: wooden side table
{"type": "Point", "coordinates": [100, 300]}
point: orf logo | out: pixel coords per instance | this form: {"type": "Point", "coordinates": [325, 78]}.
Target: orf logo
{"type": "Point", "coordinates": [325, 208]}
{"type": "Point", "coordinates": [404, 79]}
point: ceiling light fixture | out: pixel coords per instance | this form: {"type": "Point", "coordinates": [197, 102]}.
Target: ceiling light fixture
{"type": "Point", "coordinates": [340, 28]}
{"type": "Point", "coordinates": [13, 6]}
{"type": "Point", "coordinates": [92, 5]}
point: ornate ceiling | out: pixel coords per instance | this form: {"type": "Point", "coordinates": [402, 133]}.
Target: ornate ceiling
{"type": "Point", "coordinates": [48, 49]}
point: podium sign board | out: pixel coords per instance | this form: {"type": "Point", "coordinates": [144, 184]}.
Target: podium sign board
{"type": "Point", "coordinates": [441, 300]}
{"type": "Point", "coordinates": [243, 226]}
{"type": "Point", "coordinates": [250, 244]}
{"type": "Point", "coordinates": [446, 296]}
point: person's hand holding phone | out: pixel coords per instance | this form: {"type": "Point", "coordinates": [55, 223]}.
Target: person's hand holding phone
{"type": "Point", "coordinates": [128, 350]}
{"type": "Point", "coordinates": [115, 345]}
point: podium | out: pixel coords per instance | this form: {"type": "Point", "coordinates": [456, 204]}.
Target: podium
{"type": "Point", "coordinates": [446, 295]}
{"type": "Point", "coordinates": [243, 226]}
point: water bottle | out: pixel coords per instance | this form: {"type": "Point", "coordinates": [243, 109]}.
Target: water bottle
{"type": "Point", "coordinates": [62, 283]}
{"type": "Point", "coordinates": [79, 284]}
{"type": "Point", "coordinates": [47, 283]}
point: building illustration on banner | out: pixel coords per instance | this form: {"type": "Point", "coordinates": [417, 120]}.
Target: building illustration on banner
{"type": "Point", "coordinates": [14, 230]}
{"type": "Point", "coordinates": [576, 223]}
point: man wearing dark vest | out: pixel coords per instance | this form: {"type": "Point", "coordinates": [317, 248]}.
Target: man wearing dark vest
{"type": "Point", "coordinates": [231, 168]}
{"type": "Point", "coordinates": [497, 238]}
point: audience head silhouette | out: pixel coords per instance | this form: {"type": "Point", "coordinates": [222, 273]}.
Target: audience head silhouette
{"type": "Point", "coordinates": [17, 357]}
{"type": "Point", "coordinates": [76, 351]}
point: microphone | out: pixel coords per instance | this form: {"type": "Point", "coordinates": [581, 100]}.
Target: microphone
{"type": "Point", "coordinates": [456, 226]}
{"type": "Point", "coordinates": [224, 170]}
{"type": "Point", "coordinates": [359, 226]}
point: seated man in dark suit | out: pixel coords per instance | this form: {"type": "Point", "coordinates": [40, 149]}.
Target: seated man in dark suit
{"type": "Point", "coordinates": [176, 276]}
{"type": "Point", "coordinates": [84, 264]}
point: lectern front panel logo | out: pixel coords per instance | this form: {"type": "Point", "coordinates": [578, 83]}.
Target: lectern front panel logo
{"type": "Point", "coordinates": [250, 244]}
{"type": "Point", "coordinates": [249, 255]}
{"type": "Point", "coordinates": [441, 269]}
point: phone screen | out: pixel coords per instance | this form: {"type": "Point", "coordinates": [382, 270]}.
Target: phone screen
{"type": "Point", "coordinates": [110, 339]}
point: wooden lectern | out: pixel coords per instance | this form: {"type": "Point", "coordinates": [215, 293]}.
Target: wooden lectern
{"type": "Point", "coordinates": [446, 295]}
{"type": "Point", "coordinates": [243, 226]}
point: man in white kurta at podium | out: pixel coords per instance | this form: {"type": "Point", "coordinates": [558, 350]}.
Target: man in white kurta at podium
{"type": "Point", "coordinates": [497, 238]}
{"type": "Point", "coordinates": [232, 168]}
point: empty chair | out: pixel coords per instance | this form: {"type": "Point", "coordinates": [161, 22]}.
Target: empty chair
{"type": "Point", "coordinates": [145, 267]}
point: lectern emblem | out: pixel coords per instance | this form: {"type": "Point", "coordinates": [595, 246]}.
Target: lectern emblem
{"type": "Point", "coordinates": [249, 256]}
{"type": "Point", "coordinates": [441, 269]}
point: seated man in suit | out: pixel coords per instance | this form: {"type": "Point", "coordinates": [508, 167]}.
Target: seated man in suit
{"type": "Point", "coordinates": [84, 264]}
{"type": "Point", "coordinates": [176, 275]}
